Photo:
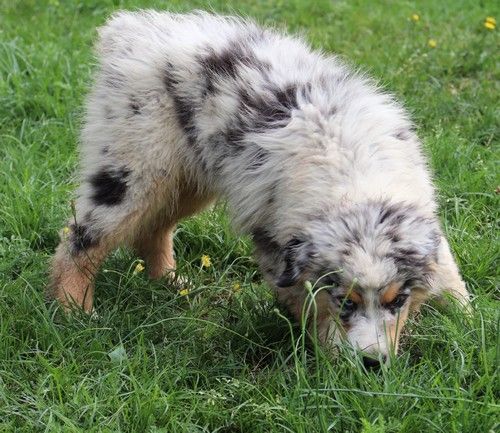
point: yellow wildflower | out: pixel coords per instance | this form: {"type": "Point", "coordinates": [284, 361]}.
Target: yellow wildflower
{"type": "Point", "coordinates": [66, 231]}
{"type": "Point", "coordinates": [490, 23]}
{"type": "Point", "coordinates": [184, 292]}
{"type": "Point", "coordinates": [432, 43]}
{"type": "Point", "coordinates": [206, 262]}
{"type": "Point", "coordinates": [236, 287]}
{"type": "Point", "coordinates": [415, 17]}
{"type": "Point", "coordinates": [138, 268]}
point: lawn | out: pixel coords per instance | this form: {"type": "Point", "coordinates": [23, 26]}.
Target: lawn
{"type": "Point", "coordinates": [223, 358]}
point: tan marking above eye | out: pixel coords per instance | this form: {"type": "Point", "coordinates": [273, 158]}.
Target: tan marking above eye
{"type": "Point", "coordinates": [390, 293]}
{"type": "Point", "coordinates": [354, 297]}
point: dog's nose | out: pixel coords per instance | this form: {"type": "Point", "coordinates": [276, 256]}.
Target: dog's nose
{"type": "Point", "coordinates": [371, 363]}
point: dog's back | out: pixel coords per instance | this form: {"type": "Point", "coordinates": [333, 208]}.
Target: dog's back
{"type": "Point", "coordinates": [232, 102]}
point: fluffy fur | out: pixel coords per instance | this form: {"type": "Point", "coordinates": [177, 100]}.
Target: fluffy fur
{"type": "Point", "coordinates": [319, 166]}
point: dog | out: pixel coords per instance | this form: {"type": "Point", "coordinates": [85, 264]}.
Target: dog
{"type": "Point", "coordinates": [318, 165]}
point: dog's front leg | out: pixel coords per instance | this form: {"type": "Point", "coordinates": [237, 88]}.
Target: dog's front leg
{"type": "Point", "coordinates": [447, 278]}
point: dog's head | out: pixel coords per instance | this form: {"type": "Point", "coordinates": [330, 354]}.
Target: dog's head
{"type": "Point", "coordinates": [369, 267]}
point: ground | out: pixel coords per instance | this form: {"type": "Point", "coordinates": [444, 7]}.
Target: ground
{"type": "Point", "coordinates": [222, 357]}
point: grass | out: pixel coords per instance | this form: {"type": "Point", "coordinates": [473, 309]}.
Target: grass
{"type": "Point", "coordinates": [222, 359]}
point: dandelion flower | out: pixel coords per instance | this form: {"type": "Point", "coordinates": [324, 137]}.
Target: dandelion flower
{"type": "Point", "coordinates": [415, 17]}
{"type": "Point", "coordinates": [206, 262]}
{"type": "Point", "coordinates": [138, 268]}
{"type": "Point", "coordinates": [236, 287]}
{"type": "Point", "coordinates": [184, 292]}
{"type": "Point", "coordinates": [490, 23]}
{"type": "Point", "coordinates": [432, 43]}
{"type": "Point", "coordinates": [66, 231]}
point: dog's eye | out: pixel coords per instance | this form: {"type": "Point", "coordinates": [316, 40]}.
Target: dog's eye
{"type": "Point", "coordinates": [398, 301]}
{"type": "Point", "coordinates": [347, 307]}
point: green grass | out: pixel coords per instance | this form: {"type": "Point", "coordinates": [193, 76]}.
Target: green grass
{"type": "Point", "coordinates": [224, 360]}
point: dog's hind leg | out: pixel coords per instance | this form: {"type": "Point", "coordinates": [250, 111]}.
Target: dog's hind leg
{"type": "Point", "coordinates": [73, 269]}
{"type": "Point", "coordinates": [155, 243]}
{"type": "Point", "coordinates": [85, 244]}
{"type": "Point", "coordinates": [157, 249]}
{"type": "Point", "coordinates": [109, 212]}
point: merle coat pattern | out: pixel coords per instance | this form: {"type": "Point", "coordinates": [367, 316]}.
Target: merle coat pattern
{"type": "Point", "coordinates": [317, 164]}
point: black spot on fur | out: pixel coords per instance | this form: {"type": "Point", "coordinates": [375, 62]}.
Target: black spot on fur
{"type": "Point", "coordinates": [261, 111]}
{"type": "Point", "coordinates": [413, 263]}
{"type": "Point", "coordinates": [393, 216]}
{"type": "Point", "coordinates": [109, 186]}
{"type": "Point", "coordinates": [297, 255]}
{"type": "Point", "coordinates": [353, 234]}
{"type": "Point", "coordinates": [134, 106]}
{"type": "Point", "coordinates": [260, 157]}
{"type": "Point", "coordinates": [257, 111]}
{"type": "Point", "coordinates": [185, 115]}
{"type": "Point", "coordinates": [81, 238]}
{"type": "Point", "coordinates": [225, 64]}
{"type": "Point", "coordinates": [185, 112]}
{"type": "Point", "coordinates": [408, 258]}
{"type": "Point", "coordinates": [287, 97]}
{"type": "Point", "coordinates": [264, 241]}
{"type": "Point", "coordinates": [235, 134]}
{"type": "Point", "coordinates": [270, 109]}
{"type": "Point", "coordinates": [184, 108]}
{"type": "Point", "coordinates": [386, 213]}
{"type": "Point", "coordinates": [398, 223]}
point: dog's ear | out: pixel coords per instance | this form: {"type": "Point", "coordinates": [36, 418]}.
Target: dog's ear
{"type": "Point", "coordinates": [297, 255]}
